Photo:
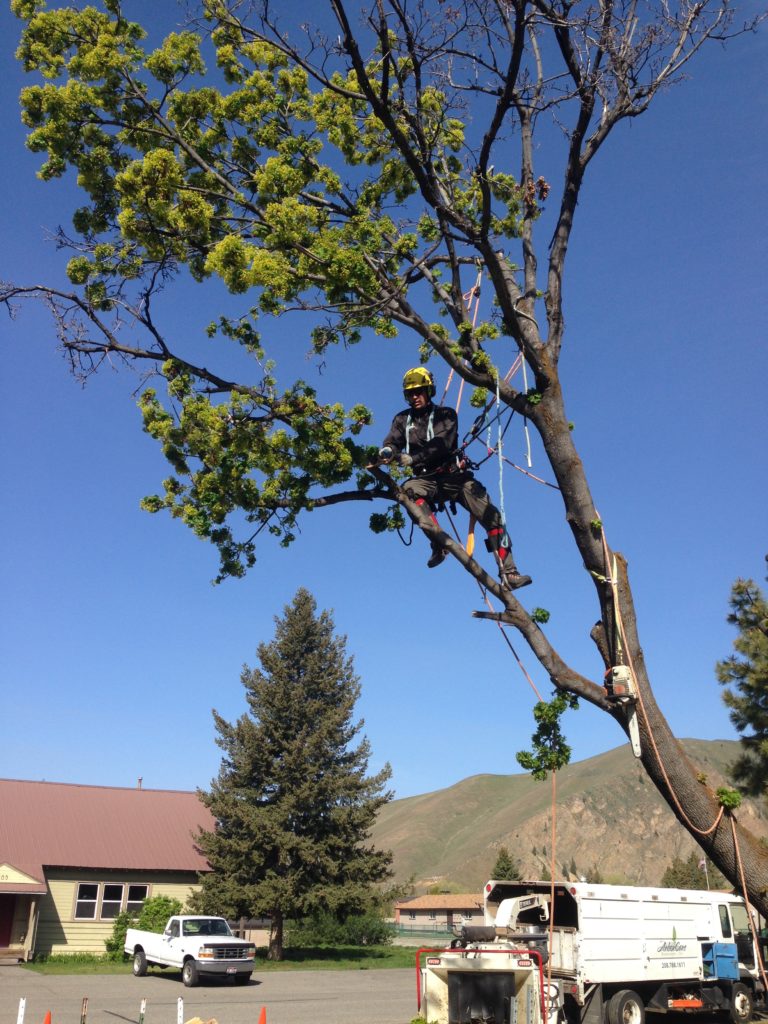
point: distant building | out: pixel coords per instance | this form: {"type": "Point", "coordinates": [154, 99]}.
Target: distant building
{"type": "Point", "coordinates": [72, 857]}
{"type": "Point", "coordinates": [442, 912]}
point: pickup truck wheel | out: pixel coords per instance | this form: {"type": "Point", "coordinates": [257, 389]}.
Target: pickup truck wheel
{"type": "Point", "coordinates": [189, 973]}
{"type": "Point", "coordinates": [742, 1004]}
{"type": "Point", "coordinates": [626, 1007]}
{"type": "Point", "coordinates": [139, 963]}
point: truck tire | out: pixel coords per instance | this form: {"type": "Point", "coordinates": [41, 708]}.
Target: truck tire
{"type": "Point", "coordinates": [139, 963]}
{"type": "Point", "coordinates": [742, 1004]}
{"type": "Point", "coordinates": [626, 1007]}
{"type": "Point", "coordinates": [242, 979]}
{"type": "Point", "coordinates": [189, 974]}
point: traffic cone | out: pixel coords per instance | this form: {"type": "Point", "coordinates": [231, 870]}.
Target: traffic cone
{"type": "Point", "coordinates": [262, 1016]}
{"type": "Point", "coordinates": [47, 1018]}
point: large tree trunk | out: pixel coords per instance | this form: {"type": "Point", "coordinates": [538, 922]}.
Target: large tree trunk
{"type": "Point", "coordinates": [275, 951]}
{"type": "Point", "coordinates": [730, 846]}
{"type": "Point", "coordinates": [738, 854]}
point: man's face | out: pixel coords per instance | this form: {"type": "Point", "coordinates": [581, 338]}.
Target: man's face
{"type": "Point", "coordinates": [417, 398]}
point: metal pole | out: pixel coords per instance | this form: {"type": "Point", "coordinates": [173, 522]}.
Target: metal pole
{"type": "Point", "coordinates": [180, 1011]}
{"type": "Point", "coordinates": [84, 1010]}
{"type": "Point", "coordinates": [142, 1010]}
{"type": "Point", "coordinates": [22, 1008]}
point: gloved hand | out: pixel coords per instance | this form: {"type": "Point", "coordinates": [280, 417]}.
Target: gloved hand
{"type": "Point", "coordinates": [404, 459]}
{"type": "Point", "coordinates": [385, 455]}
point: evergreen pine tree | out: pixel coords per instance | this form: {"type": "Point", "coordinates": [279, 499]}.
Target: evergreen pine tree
{"type": "Point", "coordinates": [292, 801]}
{"type": "Point", "coordinates": [745, 676]}
{"type": "Point", "coordinates": [506, 866]}
{"type": "Point", "coordinates": [686, 874]}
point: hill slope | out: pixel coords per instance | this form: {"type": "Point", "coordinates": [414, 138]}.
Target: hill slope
{"type": "Point", "coordinates": [608, 815]}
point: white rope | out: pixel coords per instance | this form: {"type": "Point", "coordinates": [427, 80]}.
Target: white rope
{"type": "Point", "coordinates": [500, 454]}
{"type": "Point", "coordinates": [525, 421]}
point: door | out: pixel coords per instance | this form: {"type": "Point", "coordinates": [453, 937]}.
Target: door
{"type": "Point", "coordinates": [7, 909]}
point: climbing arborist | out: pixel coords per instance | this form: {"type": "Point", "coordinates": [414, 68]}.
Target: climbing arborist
{"type": "Point", "coordinates": [424, 437]}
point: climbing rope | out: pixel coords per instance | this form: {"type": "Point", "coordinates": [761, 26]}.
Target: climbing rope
{"type": "Point", "coordinates": [500, 453]}
{"type": "Point", "coordinates": [471, 299]}
{"type": "Point", "coordinates": [753, 930]}
{"type": "Point", "coordinates": [529, 460]}
{"type": "Point", "coordinates": [538, 479]}
{"type": "Point", "coordinates": [612, 579]}
{"type": "Point", "coordinates": [508, 642]}
{"type": "Point", "coordinates": [552, 868]}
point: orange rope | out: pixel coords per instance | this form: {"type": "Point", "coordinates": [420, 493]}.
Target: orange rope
{"type": "Point", "coordinates": [552, 884]}
{"type": "Point", "coordinates": [611, 577]}
{"type": "Point", "coordinates": [737, 851]}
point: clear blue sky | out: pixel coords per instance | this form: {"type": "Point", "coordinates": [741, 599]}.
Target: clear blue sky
{"type": "Point", "coordinates": [115, 646]}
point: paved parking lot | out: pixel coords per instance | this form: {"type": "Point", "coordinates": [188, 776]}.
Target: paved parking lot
{"type": "Point", "coordinates": [290, 997]}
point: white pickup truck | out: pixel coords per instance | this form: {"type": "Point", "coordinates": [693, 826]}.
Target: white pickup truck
{"type": "Point", "coordinates": [198, 946]}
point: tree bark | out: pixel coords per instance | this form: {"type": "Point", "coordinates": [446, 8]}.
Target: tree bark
{"type": "Point", "coordinates": [275, 951]}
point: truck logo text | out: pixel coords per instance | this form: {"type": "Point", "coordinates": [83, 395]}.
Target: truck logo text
{"type": "Point", "coordinates": [672, 947]}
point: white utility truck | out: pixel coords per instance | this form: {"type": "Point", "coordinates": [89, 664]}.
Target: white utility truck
{"type": "Point", "coordinates": [609, 952]}
{"type": "Point", "coordinates": [198, 946]}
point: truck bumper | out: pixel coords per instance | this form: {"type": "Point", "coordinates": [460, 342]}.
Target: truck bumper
{"type": "Point", "coordinates": [224, 967]}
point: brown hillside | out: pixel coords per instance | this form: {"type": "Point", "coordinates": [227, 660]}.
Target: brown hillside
{"type": "Point", "coordinates": [608, 815]}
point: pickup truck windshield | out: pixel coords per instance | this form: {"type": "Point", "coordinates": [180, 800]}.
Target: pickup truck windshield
{"type": "Point", "coordinates": [206, 926]}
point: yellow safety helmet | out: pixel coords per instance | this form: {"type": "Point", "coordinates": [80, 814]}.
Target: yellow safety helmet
{"type": "Point", "coordinates": [419, 377]}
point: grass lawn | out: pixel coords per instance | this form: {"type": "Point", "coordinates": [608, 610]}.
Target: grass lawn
{"type": "Point", "coordinates": [320, 958]}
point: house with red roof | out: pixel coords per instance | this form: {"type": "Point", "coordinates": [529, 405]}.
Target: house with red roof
{"type": "Point", "coordinates": [72, 857]}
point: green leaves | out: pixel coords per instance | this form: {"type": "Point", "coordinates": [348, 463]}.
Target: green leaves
{"type": "Point", "coordinates": [177, 57]}
{"type": "Point", "coordinates": [550, 750]}
{"type": "Point", "coordinates": [297, 191]}
{"type": "Point", "coordinates": [257, 454]}
{"type": "Point", "coordinates": [728, 798]}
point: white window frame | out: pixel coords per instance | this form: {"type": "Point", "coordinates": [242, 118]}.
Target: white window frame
{"type": "Point", "coordinates": [97, 904]}
{"type": "Point", "coordinates": [94, 903]}
{"type": "Point", "coordinates": [112, 904]}
{"type": "Point", "coordinates": [128, 902]}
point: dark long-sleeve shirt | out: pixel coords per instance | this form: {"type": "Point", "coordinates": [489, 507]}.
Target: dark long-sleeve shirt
{"type": "Point", "coordinates": [428, 435]}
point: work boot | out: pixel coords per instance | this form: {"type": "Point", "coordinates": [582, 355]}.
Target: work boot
{"type": "Point", "coordinates": [512, 579]}
{"type": "Point", "coordinates": [437, 557]}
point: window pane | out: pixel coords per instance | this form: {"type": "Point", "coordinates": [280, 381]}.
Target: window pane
{"type": "Point", "coordinates": [87, 895]}
{"type": "Point", "coordinates": [740, 919]}
{"type": "Point", "coordinates": [112, 901]}
{"type": "Point", "coordinates": [136, 896]}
